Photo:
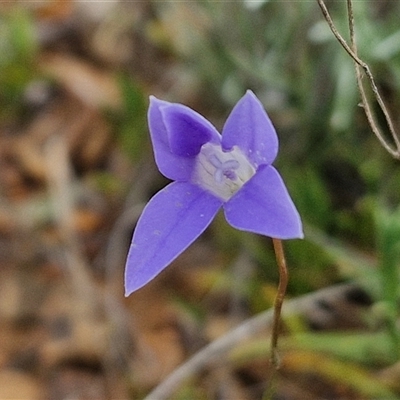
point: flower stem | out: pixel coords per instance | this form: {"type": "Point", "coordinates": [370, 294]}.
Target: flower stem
{"type": "Point", "coordinates": [280, 295]}
{"type": "Point", "coordinates": [283, 281]}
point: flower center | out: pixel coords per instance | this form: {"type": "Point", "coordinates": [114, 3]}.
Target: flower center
{"type": "Point", "coordinates": [222, 173]}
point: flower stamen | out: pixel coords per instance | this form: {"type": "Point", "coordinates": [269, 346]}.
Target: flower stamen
{"type": "Point", "coordinates": [224, 168]}
{"type": "Point", "coordinates": [222, 172]}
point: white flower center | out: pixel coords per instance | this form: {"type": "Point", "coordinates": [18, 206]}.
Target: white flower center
{"type": "Point", "coordinates": [222, 173]}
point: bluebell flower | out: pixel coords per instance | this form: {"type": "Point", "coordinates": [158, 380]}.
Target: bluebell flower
{"type": "Point", "coordinates": [209, 171]}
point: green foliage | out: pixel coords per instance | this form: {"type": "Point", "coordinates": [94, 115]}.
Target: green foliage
{"type": "Point", "coordinates": [17, 63]}
{"type": "Point", "coordinates": [310, 195]}
{"type": "Point", "coordinates": [332, 357]}
{"type": "Point", "coordinates": [388, 241]}
{"type": "Point", "coordinates": [368, 349]}
{"type": "Point", "coordinates": [133, 131]}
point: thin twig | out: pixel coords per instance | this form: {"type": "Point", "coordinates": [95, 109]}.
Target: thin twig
{"type": "Point", "coordinates": [352, 51]}
{"type": "Point", "coordinates": [217, 350]}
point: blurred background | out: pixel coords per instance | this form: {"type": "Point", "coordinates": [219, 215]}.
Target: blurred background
{"type": "Point", "coordinates": [76, 169]}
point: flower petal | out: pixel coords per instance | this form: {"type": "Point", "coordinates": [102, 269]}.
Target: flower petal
{"type": "Point", "coordinates": [264, 206]}
{"type": "Point", "coordinates": [187, 130]}
{"type": "Point", "coordinates": [170, 222]}
{"type": "Point", "coordinates": [249, 127]}
{"type": "Point", "coordinates": [171, 165]}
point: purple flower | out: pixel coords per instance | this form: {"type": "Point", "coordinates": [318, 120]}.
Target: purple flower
{"type": "Point", "coordinates": [209, 170]}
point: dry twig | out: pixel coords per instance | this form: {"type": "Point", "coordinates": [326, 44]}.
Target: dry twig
{"type": "Point", "coordinates": [393, 149]}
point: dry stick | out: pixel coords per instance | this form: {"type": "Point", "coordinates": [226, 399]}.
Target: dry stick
{"type": "Point", "coordinates": [364, 99]}
{"type": "Point", "coordinates": [283, 281]}
{"type": "Point", "coordinates": [395, 152]}
{"type": "Point", "coordinates": [351, 27]}
{"type": "Point", "coordinates": [217, 350]}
